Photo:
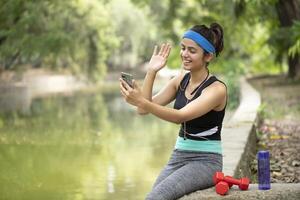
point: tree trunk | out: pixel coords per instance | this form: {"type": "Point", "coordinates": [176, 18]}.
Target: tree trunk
{"type": "Point", "coordinates": [288, 11]}
{"type": "Point", "coordinates": [93, 54]}
{"type": "Point", "coordinates": [294, 67]}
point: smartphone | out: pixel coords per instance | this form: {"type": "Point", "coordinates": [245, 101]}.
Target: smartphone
{"type": "Point", "coordinates": [127, 78]}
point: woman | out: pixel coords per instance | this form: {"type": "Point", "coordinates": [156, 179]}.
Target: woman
{"type": "Point", "coordinates": [200, 101]}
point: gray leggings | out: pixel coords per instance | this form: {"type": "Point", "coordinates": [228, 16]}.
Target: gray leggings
{"type": "Point", "coordinates": [186, 172]}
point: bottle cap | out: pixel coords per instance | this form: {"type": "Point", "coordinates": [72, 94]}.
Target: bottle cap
{"type": "Point", "coordinates": [263, 155]}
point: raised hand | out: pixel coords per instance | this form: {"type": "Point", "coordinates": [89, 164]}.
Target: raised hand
{"type": "Point", "coordinates": [132, 95]}
{"type": "Point", "coordinates": [159, 57]}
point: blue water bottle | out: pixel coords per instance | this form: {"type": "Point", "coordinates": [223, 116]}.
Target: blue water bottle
{"type": "Point", "coordinates": [263, 168]}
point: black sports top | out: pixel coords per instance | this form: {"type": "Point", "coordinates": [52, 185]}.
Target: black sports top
{"type": "Point", "coordinates": [205, 127]}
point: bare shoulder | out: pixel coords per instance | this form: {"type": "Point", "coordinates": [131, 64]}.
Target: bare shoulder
{"type": "Point", "coordinates": [178, 78]}
{"type": "Point", "coordinates": [217, 87]}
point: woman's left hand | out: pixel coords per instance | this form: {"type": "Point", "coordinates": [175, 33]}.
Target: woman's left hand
{"type": "Point", "coordinates": [131, 95]}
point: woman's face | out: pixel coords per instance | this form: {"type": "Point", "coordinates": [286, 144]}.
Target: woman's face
{"type": "Point", "coordinates": [192, 55]}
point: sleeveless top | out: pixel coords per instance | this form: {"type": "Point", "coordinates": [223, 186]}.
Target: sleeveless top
{"type": "Point", "coordinates": [206, 127]}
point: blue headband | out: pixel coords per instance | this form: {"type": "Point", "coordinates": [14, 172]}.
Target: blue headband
{"type": "Point", "coordinates": [200, 40]}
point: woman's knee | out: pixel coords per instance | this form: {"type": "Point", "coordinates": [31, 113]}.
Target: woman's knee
{"type": "Point", "coordinates": [164, 192]}
{"type": "Point", "coordinates": [154, 196]}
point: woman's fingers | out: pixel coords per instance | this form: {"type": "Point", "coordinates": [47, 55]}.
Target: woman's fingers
{"type": "Point", "coordinates": [126, 89]}
{"type": "Point", "coordinates": [135, 85]}
{"type": "Point", "coordinates": [123, 89]}
{"type": "Point", "coordinates": [167, 50]}
{"type": "Point", "coordinates": [162, 48]}
{"type": "Point", "coordinates": [125, 85]}
{"type": "Point", "coordinates": [123, 93]}
{"type": "Point", "coordinates": [155, 50]}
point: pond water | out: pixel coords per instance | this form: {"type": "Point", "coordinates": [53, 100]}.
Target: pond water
{"type": "Point", "coordinates": [86, 146]}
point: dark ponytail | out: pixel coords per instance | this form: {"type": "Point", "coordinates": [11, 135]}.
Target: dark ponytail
{"type": "Point", "coordinates": [218, 37]}
{"type": "Point", "coordinates": [214, 34]}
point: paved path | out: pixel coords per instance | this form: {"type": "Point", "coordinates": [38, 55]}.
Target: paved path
{"type": "Point", "coordinates": [236, 133]}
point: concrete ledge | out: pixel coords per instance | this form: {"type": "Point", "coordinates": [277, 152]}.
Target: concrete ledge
{"type": "Point", "coordinates": [277, 191]}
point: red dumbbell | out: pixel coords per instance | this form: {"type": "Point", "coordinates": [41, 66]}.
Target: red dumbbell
{"type": "Point", "coordinates": [222, 188]}
{"type": "Point", "coordinates": [229, 184]}
{"type": "Point", "coordinates": [243, 183]}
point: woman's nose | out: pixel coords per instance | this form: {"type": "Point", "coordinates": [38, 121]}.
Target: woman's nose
{"type": "Point", "coordinates": [184, 53]}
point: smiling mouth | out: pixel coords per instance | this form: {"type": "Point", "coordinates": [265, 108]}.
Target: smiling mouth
{"type": "Point", "coordinates": [186, 61]}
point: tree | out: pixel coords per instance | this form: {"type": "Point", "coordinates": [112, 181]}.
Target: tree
{"type": "Point", "coordinates": [73, 34]}
{"type": "Point", "coordinates": [288, 12]}
{"type": "Point", "coordinates": [283, 17]}
{"type": "Point", "coordinates": [136, 32]}
{"type": "Point", "coordinates": [248, 25]}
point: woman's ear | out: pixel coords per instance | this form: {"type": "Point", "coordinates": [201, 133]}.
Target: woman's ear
{"type": "Point", "coordinates": [208, 57]}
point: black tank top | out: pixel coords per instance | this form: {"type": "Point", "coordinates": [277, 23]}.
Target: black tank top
{"type": "Point", "coordinates": [205, 127]}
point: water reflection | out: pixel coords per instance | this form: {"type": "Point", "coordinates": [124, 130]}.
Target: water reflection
{"type": "Point", "coordinates": [82, 147]}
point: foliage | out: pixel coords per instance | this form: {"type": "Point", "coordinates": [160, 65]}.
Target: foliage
{"type": "Point", "coordinates": [252, 37]}
{"type": "Point", "coordinates": [262, 111]}
{"type": "Point", "coordinates": [86, 36]}
{"type": "Point", "coordinates": [174, 59]}
{"type": "Point", "coordinates": [245, 37]}
{"type": "Point", "coordinates": [282, 36]}
{"type": "Point", "coordinates": [136, 32]}
{"type": "Point", "coordinates": [72, 34]}
{"type": "Point", "coordinates": [295, 49]}
{"type": "Point", "coordinates": [233, 90]}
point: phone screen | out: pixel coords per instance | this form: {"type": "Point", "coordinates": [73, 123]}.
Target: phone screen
{"type": "Point", "coordinates": [127, 78]}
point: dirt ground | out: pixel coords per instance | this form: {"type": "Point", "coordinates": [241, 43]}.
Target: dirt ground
{"type": "Point", "coordinates": [279, 130]}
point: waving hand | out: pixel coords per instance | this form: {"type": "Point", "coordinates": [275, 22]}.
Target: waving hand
{"type": "Point", "coordinates": [159, 57]}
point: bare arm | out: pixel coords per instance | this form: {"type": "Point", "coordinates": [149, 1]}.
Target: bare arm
{"type": "Point", "coordinates": [211, 98]}
{"type": "Point", "coordinates": [157, 62]}
{"type": "Point", "coordinates": [167, 93]}
{"type": "Point", "coordinates": [147, 89]}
